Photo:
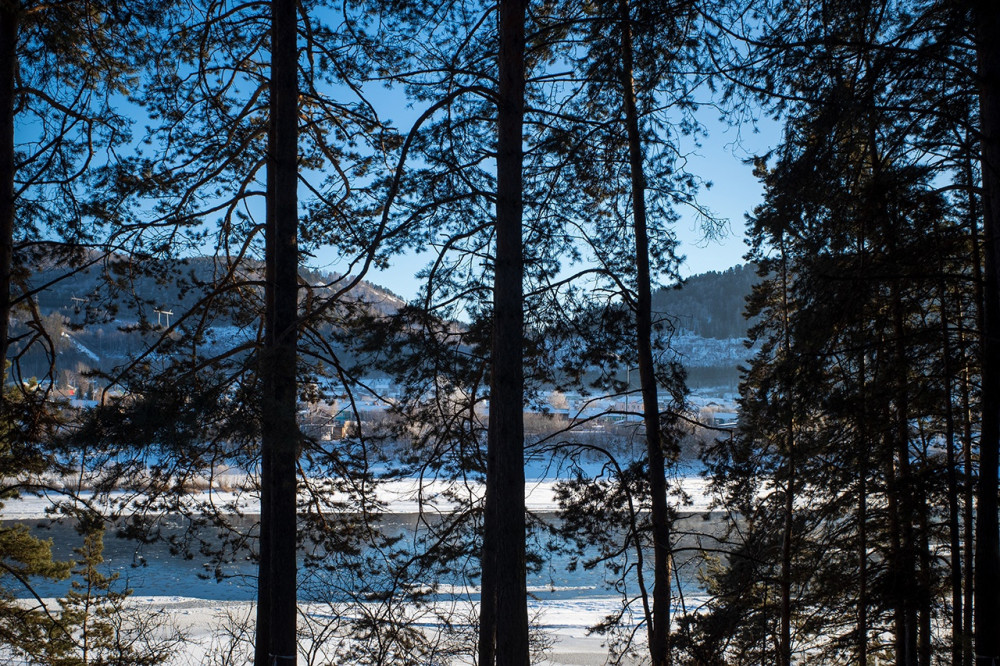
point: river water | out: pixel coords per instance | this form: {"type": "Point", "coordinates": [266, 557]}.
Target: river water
{"type": "Point", "coordinates": [151, 569]}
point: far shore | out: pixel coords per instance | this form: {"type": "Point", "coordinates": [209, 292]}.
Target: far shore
{"type": "Point", "coordinates": [398, 496]}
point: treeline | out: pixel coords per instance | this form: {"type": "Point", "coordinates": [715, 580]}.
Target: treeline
{"type": "Point", "coordinates": [542, 172]}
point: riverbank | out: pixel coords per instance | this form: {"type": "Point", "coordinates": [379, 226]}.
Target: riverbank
{"type": "Point", "coordinates": [398, 496]}
{"type": "Point", "coordinates": [209, 627]}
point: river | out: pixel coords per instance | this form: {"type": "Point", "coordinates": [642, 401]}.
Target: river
{"type": "Point", "coordinates": [151, 569]}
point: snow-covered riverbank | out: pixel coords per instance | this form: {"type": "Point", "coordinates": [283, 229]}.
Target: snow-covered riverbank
{"type": "Point", "coordinates": [562, 627]}
{"type": "Point", "coordinates": [399, 496]}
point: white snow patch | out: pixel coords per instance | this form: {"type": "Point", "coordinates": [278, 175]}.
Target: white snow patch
{"type": "Point", "coordinates": [81, 348]}
{"type": "Point", "coordinates": [399, 496]}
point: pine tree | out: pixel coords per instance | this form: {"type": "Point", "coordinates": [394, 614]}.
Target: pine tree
{"type": "Point", "coordinates": [95, 625]}
{"type": "Point", "coordinates": [238, 125]}
{"type": "Point", "coordinates": [25, 628]}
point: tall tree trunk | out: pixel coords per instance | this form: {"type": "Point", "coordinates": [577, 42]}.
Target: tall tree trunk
{"type": "Point", "coordinates": [503, 629]}
{"type": "Point", "coordinates": [906, 566]}
{"type": "Point", "coordinates": [896, 575]}
{"type": "Point", "coordinates": [968, 519]}
{"type": "Point", "coordinates": [986, 15]}
{"type": "Point", "coordinates": [862, 605]}
{"type": "Point", "coordinates": [262, 642]}
{"type": "Point", "coordinates": [923, 602]}
{"type": "Point", "coordinates": [954, 529]}
{"type": "Point", "coordinates": [969, 486]}
{"type": "Point", "coordinates": [488, 566]}
{"type": "Point", "coordinates": [659, 633]}
{"type": "Point", "coordinates": [8, 66]}
{"type": "Point", "coordinates": [861, 445]}
{"type": "Point", "coordinates": [785, 576]}
{"type": "Point", "coordinates": [279, 434]}
{"type": "Point", "coordinates": [899, 476]}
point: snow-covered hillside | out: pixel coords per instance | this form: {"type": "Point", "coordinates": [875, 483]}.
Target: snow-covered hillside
{"type": "Point", "coordinates": [697, 351]}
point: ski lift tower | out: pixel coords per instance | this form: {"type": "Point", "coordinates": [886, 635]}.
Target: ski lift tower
{"type": "Point", "coordinates": [160, 314]}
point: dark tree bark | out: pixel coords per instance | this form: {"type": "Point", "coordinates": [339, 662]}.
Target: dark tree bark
{"type": "Point", "coordinates": [280, 435]}
{"type": "Point", "coordinates": [503, 636]}
{"type": "Point", "coordinates": [969, 486]}
{"type": "Point", "coordinates": [263, 627]}
{"type": "Point", "coordinates": [905, 565]}
{"type": "Point", "coordinates": [785, 582]}
{"type": "Point", "coordinates": [8, 65]}
{"type": "Point", "coordinates": [861, 444]}
{"type": "Point", "coordinates": [895, 549]}
{"type": "Point", "coordinates": [659, 632]}
{"type": "Point", "coordinates": [925, 576]}
{"type": "Point", "coordinates": [986, 14]}
{"type": "Point", "coordinates": [954, 530]}
{"type": "Point", "coordinates": [968, 520]}
{"type": "Point", "coordinates": [862, 513]}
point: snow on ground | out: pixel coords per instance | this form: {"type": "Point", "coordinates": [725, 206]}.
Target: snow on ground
{"type": "Point", "coordinates": [400, 496]}
{"type": "Point", "coordinates": [82, 349]}
{"type": "Point", "coordinates": [561, 624]}
{"type": "Point", "coordinates": [219, 633]}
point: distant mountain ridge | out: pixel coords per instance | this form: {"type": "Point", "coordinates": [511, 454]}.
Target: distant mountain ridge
{"type": "Point", "coordinates": [709, 305]}
{"type": "Point", "coordinates": [93, 314]}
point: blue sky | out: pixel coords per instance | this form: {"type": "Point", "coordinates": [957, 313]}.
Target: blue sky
{"type": "Point", "coordinates": [734, 193]}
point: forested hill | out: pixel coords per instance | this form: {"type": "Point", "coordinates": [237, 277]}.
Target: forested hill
{"type": "Point", "coordinates": [92, 314]}
{"type": "Point", "coordinates": [174, 285]}
{"type": "Point", "coordinates": [708, 309]}
{"type": "Point", "coordinates": [710, 304]}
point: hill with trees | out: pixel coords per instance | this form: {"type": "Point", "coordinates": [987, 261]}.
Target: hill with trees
{"type": "Point", "coordinates": [712, 304]}
{"type": "Point", "coordinates": [97, 332]}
